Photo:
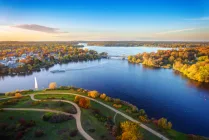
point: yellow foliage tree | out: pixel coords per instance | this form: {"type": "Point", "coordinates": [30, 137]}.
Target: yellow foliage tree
{"type": "Point", "coordinates": [52, 85]}
{"type": "Point", "coordinates": [103, 96]}
{"type": "Point", "coordinates": [77, 98]}
{"type": "Point", "coordinates": [93, 94]}
{"type": "Point", "coordinates": [130, 131]}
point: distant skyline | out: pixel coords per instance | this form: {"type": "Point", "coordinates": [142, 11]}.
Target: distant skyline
{"type": "Point", "coordinates": [114, 20]}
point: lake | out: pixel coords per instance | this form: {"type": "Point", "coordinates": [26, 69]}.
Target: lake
{"type": "Point", "coordinates": [161, 92]}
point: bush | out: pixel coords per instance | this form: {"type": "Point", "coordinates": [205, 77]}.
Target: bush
{"type": "Point", "coordinates": [39, 133]}
{"type": "Point", "coordinates": [11, 102]}
{"type": "Point", "coordinates": [164, 124]}
{"type": "Point", "coordinates": [73, 133]}
{"type": "Point", "coordinates": [144, 119]}
{"type": "Point", "coordinates": [70, 109]}
{"type": "Point", "coordinates": [117, 105]}
{"type": "Point", "coordinates": [107, 99]}
{"type": "Point", "coordinates": [91, 130]}
{"type": "Point", "coordinates": [57, 118]}
{"type": "Point", "coordinates": [47, 116]}
{"type": "Point", "coordinates": [34, 103]}
{"type": "Point", "coordinates": [116, 101]}
{"type": "Point", "coordinates": [53, 85]}
{"type": "Point", "coordinates": [10, 93]}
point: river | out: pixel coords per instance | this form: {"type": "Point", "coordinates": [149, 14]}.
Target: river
{"type": "Point", "coordinates": [161, 92]}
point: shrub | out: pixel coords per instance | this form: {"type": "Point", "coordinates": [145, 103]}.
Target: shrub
{"type": "Point", "coordinates": [47, 116]}
{"type": "Point", "coordinates": [91, 130]}
{"type": "Point", "coordinates": [116, 101]}
{"type": "Point", "coordinates": [22, 121]}
{"type": "Point", "coordinates": [164, 124]}
{"type": "Point", "coordinates": [117, 105]}
{"type": "Point", "coordinates": [31, 123]}
{"type": "Point", "coordinates": [73, 133]}
{"type": "Point", "coordinates": [93, 94]}
{"type": "Point", "coordinates": [39, 133]}
{"type": "Point", "coordinates": [107, 99]}
{"type": "Point", "coordinates": [53, 85]}
{"type": "Point", "coordinates": [144, 119]}
{"type": "Point", "coordinates": [60, 104]}
{"type": "Point", "coordinates": [128, 111]}
{"type": "Point", "coordinates": [10, 93]}
{"type": "Point", "coordinates": [11, 117]}
{"type": "Point", "coordinates": [11, 102]}
{"type": "Point", "coordinates": [70, 109]}
{"type": "Point", "coordinates": [19, 135]}
{"type": "Point", "coordinates": [34, 103]}
{"type": "Point", "coordinates": [18, 95]}
{"type": "Point", "coordinates": [103, 96]}
{"type": "Point", "coordinates": [57, 118]}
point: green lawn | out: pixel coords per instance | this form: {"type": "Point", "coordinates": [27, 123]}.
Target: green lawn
{"type": "Point", "coordinates": [172, 134]}
{"type": "Point", "coordinates": [53, 131]}
{"type": "Point", "coordinates": [89, 121]}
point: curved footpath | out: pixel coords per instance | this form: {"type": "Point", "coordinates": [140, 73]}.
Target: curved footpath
{"type": "Point", "coordinates": [111, 108]}
{"type": "Point", "coordinates": [77, 116]}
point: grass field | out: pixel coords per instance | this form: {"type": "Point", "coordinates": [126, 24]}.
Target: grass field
{"type": "Point", "coordinates": [171, 134]}
{"type": "Point", "coordinates": [53, 131]}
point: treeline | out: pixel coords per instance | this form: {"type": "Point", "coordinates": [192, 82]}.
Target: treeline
{"type": "Point", "coordinates": [193, 62]}
{"type": "Point", "coordinates": [165, 44]}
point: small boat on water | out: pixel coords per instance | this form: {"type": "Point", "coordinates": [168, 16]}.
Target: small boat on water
{"type": "Point", "coordinates": [56, 71]}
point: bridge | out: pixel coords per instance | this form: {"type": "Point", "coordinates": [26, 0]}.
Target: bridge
{"type": "Point", "coordinates": [123, 57]}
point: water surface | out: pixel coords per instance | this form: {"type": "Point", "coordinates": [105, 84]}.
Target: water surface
{"type": "Point", "coordinates": [161, 92]}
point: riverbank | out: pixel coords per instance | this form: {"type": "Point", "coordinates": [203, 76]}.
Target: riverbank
{"type": "Point", "coordinates": [57, 94]}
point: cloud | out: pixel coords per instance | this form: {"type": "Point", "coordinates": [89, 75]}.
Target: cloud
{"type": "Point", "coordinates": [199, 19]}
{"type": "Point", "coordinates": [175, 31]}
{"type": "Point", "coordinates": [40, 28]}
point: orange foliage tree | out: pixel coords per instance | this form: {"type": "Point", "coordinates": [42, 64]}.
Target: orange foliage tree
{"type": "Point", "coordinates": [18, 95]}
{"type": "Point", "coordinates": [93, 94]}
{"type": "Point", "coordinates": [52, 85]}
{"type": "Point", "coordinates": [84, 102]}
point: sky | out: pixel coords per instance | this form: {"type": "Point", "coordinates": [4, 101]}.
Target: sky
{"type": "Point", "coordinates": [99, 20]}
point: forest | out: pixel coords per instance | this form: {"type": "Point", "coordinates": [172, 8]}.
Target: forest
{"type": "Point", "coordinates": [192, 62]}
{"type": "Point", "coordinates": [164, 44]}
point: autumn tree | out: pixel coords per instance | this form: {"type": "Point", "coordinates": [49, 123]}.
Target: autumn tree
{"type": "Point", "coordinates": [18, 95]}
{"type": "Point", "coordinates": [130, 131]}
{"type": "Point", "coordinates": [53, 85]}
{"type": "Point", "coordinates": [103, 96]}
{"type": "Point", "coordinates": [162, 122]}
{"type": "Point", "coordinates": [93, 94]}
{"type": "Point", "coordinates": [84, 102]}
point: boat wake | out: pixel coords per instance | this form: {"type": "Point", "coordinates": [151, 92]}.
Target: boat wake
{"type": "Point", "coordinates": [80, 68]}
{"type": "Point", "coordinates": [87, 67]}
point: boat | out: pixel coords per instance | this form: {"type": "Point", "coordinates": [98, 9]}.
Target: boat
{"type": "Point", "coordinates": [56, 71]}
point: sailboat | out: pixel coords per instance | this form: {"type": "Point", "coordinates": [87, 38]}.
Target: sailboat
{"type": "Point", "coordinates": [36, 84]}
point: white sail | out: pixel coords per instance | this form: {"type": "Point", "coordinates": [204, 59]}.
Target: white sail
{"type": "Point", "coordinates": [36, 84]}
